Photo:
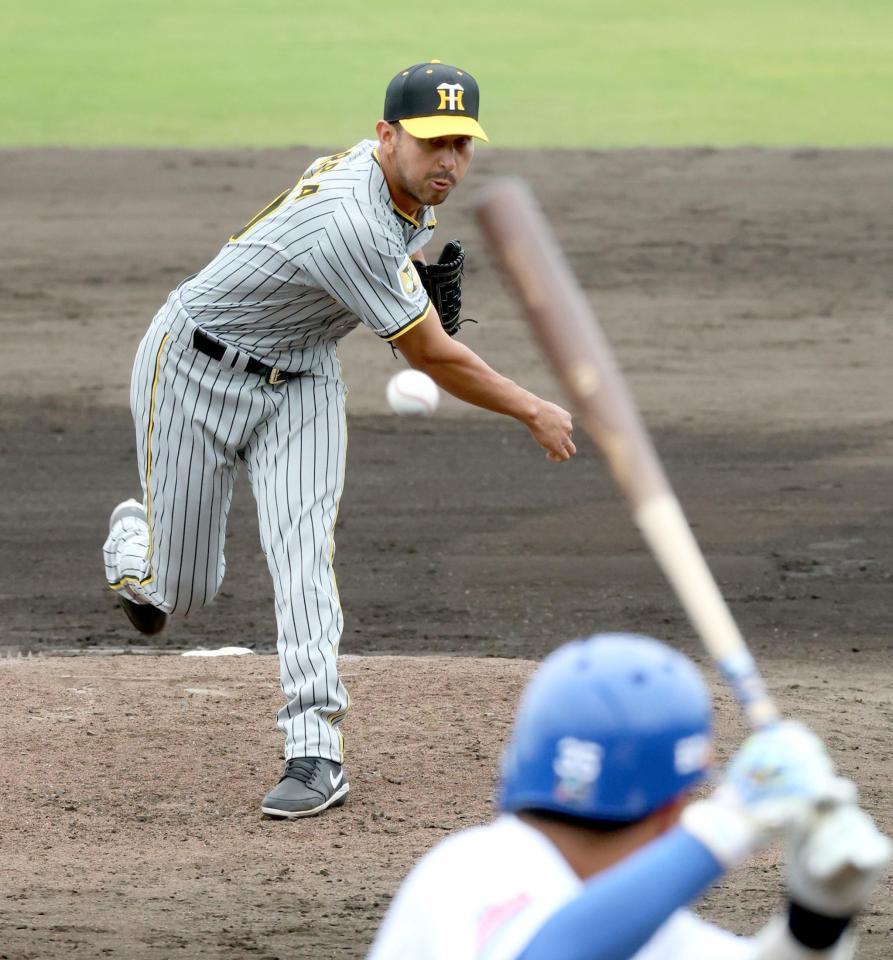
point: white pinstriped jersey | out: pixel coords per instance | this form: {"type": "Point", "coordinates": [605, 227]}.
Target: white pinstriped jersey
{"type": "Point", "coordinates": [325, 255]}
{"type": "Point", "coordinates": [482, 894]}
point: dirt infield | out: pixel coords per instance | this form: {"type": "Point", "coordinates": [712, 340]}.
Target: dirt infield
{"type": "Point", "coordinates": [130, 791]}
{"type": "Point", "coordinates": [748, 294]}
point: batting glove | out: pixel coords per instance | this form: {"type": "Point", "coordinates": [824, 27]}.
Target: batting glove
{"type": "Point", "coordinates": [837, 862]}
{"type": "Point", "coordinates": [774, 782]}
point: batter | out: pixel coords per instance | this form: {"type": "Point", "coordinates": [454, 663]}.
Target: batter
{"type": "Point", "coordinates": [240, 365]}
{"type": "Point", "coordinates": [586, 861]}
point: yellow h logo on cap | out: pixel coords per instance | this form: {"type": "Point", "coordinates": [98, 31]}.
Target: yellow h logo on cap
{"type": "Point", "coordinates": [451, 96]}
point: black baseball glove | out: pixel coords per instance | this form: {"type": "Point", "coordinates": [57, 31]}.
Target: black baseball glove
{"type": "Point", "coordinates": [443, 282]}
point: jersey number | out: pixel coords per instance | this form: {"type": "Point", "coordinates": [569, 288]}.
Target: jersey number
{"type": "Point", "coordinates": [325, 165]}
{"type": "Point", "coordinates": [307, 190]}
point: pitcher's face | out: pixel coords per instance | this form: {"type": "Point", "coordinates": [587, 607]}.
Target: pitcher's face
{"type": "Point", "coordinates": [427, 170]}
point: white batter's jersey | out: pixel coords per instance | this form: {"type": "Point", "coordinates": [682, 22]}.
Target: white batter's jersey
{"type": "Point", "coordinates": [323, 256]}
{"type": "Point", "coordinates": [482, 894]}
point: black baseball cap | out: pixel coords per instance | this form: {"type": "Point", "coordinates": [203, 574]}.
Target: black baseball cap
{"type": "Point", "coordinates": [434, 100]}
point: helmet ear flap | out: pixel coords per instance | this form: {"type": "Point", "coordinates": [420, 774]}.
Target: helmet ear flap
{"type": "Point", "coordinates": [611, 728]}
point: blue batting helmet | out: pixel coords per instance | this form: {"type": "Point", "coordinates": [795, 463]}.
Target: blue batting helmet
{"type": "Point", "coordinates": [609, 728]}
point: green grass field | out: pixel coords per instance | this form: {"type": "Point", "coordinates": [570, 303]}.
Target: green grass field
{"type": "Point", "coordinates": [568, 73]}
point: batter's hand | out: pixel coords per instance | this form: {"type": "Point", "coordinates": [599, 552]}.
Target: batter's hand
{"type": "Point", "coordinates": [551, 427]}
{"type": "Point", "coordinates": [773, 785]}
{"type": "Point", "coordinates": [835, 865]}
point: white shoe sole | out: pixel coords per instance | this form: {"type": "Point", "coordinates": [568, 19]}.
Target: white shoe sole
{"type": "Point", "coordinates": [128, 508]}
{"type": "Point", "coordinates": [285, 815]}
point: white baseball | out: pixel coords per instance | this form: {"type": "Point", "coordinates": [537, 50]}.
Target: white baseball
{"type": "Point", "coordinates": [413, 392]}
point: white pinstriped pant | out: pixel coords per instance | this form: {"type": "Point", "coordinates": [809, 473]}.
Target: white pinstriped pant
{"type": "Point", "coordinates": [194, 419]}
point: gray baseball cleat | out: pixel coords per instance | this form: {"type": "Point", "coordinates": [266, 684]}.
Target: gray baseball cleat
{"type": "Point", "coordinates": [145, 617]}
{"type": "Point", "coordinates": [308, 786]}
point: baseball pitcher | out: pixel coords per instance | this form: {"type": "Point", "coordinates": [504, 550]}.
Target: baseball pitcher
{"type": "Point", "coordinates": [240, 366]}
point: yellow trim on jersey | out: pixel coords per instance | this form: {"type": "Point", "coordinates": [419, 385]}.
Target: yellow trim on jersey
{"type": "Point", "coordinates": [271, 207]}
{"type": "Point", "coordinates": [406, 216]}
{"type": "Point", "coordinates": [338, 715]}
{"type": "Point", "coordinates": [149, 431]}
{"type": "Point", "coordinates": [151, 426]}
{"type": "Point", "coordinates": [429, 225]}
{"type": "Point", "coordinates": [410, 325]}
{"type": "Point", "coordinates": [341, 469]}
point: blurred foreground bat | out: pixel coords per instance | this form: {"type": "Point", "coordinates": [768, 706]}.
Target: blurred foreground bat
{"type": "Point", "coordinates": [572, 339]}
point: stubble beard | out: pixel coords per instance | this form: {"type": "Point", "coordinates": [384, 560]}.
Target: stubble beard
{"type": "Point", "coordinates": [418, 189]}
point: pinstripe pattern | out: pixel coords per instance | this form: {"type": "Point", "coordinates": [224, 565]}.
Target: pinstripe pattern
{"type": "Point", "coordinates": [137, 567]}
{"type": "Point", "coordinates": [293, 439]}
{"type": "Point", "coordinates": [314, 267]}
{"type": "Point", "coordinates": [291, 459]}
{"type": "Point", "coordinates": [329, 254]}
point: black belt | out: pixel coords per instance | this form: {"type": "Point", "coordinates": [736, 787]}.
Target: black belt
{"type": "Point", "coordinates": [216, 350]}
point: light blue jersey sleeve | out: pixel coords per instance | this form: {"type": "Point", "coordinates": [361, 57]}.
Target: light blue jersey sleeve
{"type": "Point", "coordinates": [619, 910]}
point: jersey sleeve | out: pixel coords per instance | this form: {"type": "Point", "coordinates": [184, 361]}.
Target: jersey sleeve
{"type": "Point", "coordinates": [627, 903]}
{"type": "Point", "coordinates": [364, 265]}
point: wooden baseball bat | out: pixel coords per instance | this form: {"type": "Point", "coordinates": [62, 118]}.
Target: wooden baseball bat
{"type": "Point", "coordinates": [572, 339]}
